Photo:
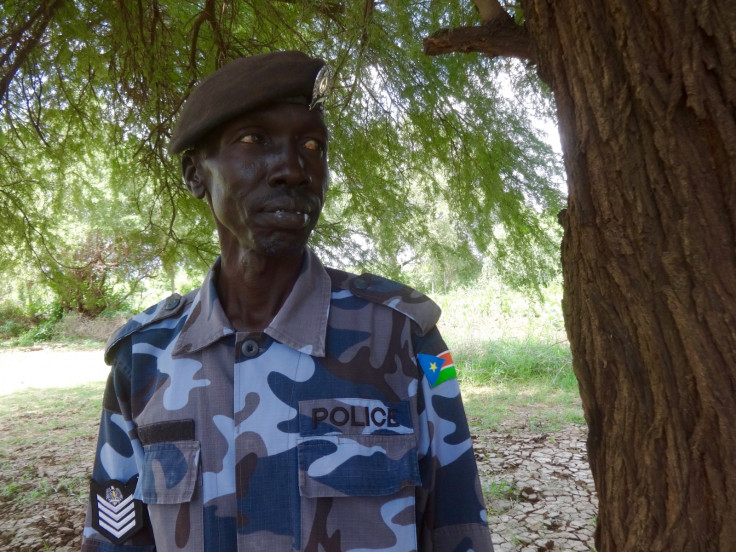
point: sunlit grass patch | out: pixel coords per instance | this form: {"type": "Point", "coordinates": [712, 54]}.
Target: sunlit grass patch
{"type": "Point", "coordinates": [53, 408]}
{"type": "Point", "coordinates": [526, 361]}
{"type": "Point", "coordinates": [527, 379]}
{"type": "Point", "coordinates": [59, 426]}
{"type": "Point", "coordinates": [512, 355]}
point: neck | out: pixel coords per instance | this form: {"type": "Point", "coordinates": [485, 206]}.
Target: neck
{"type": "Point", "coordinates": [253, 287]}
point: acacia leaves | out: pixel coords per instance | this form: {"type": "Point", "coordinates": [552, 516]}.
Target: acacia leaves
{"type": "Point", "coordinates": [422, 149]}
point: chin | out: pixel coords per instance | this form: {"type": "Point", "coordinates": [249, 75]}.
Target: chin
{"type": "Point", "coordinates": [282, 248]}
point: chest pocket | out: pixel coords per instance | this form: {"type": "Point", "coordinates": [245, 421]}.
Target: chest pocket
{"type": "Point", "coordinates": [169, 473]}
{"type": "Point", "coordinates": [358, 468]}
{"type": "Point", "coordinates": [168, 484]}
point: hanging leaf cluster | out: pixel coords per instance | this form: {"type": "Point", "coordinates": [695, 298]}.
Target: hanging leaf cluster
{"type": "Point", "coordinates": [422, 150]}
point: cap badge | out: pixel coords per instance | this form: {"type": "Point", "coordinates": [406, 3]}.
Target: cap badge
{"type": "Point", "coordinates": [113, 495]}
{"type": "Point", "coordinates": [322, 83]}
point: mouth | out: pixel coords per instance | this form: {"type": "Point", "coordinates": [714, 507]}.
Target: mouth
{"type": "Point", "coordinates": [286, 217]}
{"type": "Point", "coordinates": [283, 213]}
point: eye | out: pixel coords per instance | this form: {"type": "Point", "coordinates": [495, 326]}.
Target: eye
{"type": "Point", "coordinates": [251, 139]}
{"type": "Point", "coordinates": [314, 145]}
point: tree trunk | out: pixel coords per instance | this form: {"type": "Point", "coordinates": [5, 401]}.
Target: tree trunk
{"type": "Point", "coordinates": [646, 96]}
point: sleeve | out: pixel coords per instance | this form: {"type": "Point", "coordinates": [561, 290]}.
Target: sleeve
{"type": "Point", "coordinates": [451, 513]}
{"type": "Point", "coordinates": [117, 521]}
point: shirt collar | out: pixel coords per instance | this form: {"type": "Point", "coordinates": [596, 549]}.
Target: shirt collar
{"type": "Point", "coordinates": [301, 323]}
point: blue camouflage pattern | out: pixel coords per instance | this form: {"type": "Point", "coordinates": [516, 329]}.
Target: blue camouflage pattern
{"type": "Point", "coordinates": [320, 433]}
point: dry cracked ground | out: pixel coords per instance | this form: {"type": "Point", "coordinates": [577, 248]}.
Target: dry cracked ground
{"type": "Point", "coordinates": [538, 486]}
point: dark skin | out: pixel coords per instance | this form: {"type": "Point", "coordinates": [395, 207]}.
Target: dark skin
{"type": "Point", "coordinates": [264, 175]}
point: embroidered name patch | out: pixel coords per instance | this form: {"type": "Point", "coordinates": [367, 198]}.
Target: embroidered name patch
{"type": "Point", "coordinates": [115, 513]}
{"type": "Point", "coordinates": [357, 416]}
{"type": "Point", "coordinates": [354, 416]}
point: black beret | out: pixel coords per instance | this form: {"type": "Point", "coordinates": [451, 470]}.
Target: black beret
{"type": "Point", "coordinates": [243, 85]}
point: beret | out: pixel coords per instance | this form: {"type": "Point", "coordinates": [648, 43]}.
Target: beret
{"type": "Point", "coordinates": [243, 85]}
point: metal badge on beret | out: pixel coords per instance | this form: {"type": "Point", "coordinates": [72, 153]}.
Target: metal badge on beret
{"type": "Point", "coordinates": [322, 83]}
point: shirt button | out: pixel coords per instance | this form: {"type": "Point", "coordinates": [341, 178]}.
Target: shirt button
{"type": "Point", "coordinates": [249, 348]}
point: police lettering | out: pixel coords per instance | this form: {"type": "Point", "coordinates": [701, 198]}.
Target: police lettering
{"type": "Point", "coordinates": [356, 416]}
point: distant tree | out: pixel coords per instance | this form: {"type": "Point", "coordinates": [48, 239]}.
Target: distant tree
{"type": "Point", "coordinates": [90, 90]}
{"type": "Point", "coordinates": [646, 98]}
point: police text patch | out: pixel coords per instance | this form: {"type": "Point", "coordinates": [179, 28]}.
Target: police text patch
{"type": "Point", "coordinates": [354, 416]}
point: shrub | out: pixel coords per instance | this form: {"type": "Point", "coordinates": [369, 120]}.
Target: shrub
{"type": "Point", "coordinates": [75, 326]}
{"type": "Point", "coordinates": [17, 320]}
{"type": "Point", "coordinates": [11, 328]}
{"type": "Point", "coordinates": [45, 331]}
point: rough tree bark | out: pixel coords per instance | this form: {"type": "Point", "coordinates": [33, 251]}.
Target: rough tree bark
{"type": "Point", "coordinates": [646, 97]}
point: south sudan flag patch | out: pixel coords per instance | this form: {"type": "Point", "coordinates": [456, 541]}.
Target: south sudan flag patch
{"type": "Point", "coordinates": [438, 368]}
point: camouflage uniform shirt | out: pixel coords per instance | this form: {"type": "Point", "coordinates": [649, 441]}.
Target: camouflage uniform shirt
{"type": "Point", "coordinates": [322, 433]}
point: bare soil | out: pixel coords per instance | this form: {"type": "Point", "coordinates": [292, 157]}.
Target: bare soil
{"type": "Point", "coordinates": [538, 487]}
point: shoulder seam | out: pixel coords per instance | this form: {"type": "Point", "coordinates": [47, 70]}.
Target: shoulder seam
{"type": "Point", "coordinates": [171, 306]}
{"type": "Point", "coordinates": [394, 295]}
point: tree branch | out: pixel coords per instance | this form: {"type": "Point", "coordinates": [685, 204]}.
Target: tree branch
{"type": "Point", "coordinates": [22, 48]}
{"type": "Point", "coordinates": [497, 37]}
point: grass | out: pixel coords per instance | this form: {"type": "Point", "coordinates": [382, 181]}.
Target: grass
{"type": "Point", "coordinates": [512, 356]}
{"type": "Point", "coordinates": [58, 425]}
{"type": "Point", "coordinates": [513, 378]}
{"type": "Point", "coordinates": [48, 409]}
{"type": "Point", "coordinates": [502, 489]}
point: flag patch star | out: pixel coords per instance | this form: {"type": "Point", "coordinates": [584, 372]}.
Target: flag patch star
{"type": "Point", "coordinates": [438, 368]}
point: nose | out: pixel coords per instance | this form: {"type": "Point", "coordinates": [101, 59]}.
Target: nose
{"type": "Point", "coordinates": [287, 166]}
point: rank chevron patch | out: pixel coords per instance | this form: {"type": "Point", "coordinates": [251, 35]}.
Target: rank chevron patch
{"type": "Point", "coordinates": [115, 513]}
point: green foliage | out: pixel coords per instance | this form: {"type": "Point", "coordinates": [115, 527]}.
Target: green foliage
{"type": "Point", "coordinates": [11, 328]}
{"type": "Point", "coordinates": [43, 421]}
{"type": "Point", "coordinates": [14, 320]}
{"type": "Point", "coordinates": [434, 160]}
{"type": "Point", "coordinates": [518, 362]}
{"type": "Point", "coordinates": [511, 353]}
{"type": "Point", "coordinates": [43, 331]}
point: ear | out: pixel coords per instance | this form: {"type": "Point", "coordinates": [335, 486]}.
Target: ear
{"type": "Point", "coordinates": [191, 170]}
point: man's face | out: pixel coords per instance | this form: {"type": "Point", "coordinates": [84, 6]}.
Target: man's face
{"type": "Point", "coordinates": [265, 176]}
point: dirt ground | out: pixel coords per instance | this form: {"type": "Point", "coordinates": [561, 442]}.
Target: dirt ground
{"type": "Point", "coordinates": [538, 487]}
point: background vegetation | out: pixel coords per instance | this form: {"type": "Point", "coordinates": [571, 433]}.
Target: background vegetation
{"type": "Point", "coordinates": [440, 168]}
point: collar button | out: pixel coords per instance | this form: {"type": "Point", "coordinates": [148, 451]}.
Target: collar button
{"type": "Point", "coordinates": [249, 348]}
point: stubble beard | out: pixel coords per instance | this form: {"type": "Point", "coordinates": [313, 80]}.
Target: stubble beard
{"type": "Point", "coordinates": [273, 247]}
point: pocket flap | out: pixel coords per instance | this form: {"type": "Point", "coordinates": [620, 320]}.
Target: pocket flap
{"type": "Point", "coordinates": [360, 465]}
{"type": "Point", "coordinates": [169, 472]}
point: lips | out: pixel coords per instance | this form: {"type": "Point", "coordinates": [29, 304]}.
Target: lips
{"type": "Point", "coordinates": [291, 217]}
{"type": "Point", "coordinates": [290, 211]}
{"type": "Point", "coordinates": [286, 216]}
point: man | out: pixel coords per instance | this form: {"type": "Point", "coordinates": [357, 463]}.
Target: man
{"type": "Point", "coordinates": [282, 405]}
